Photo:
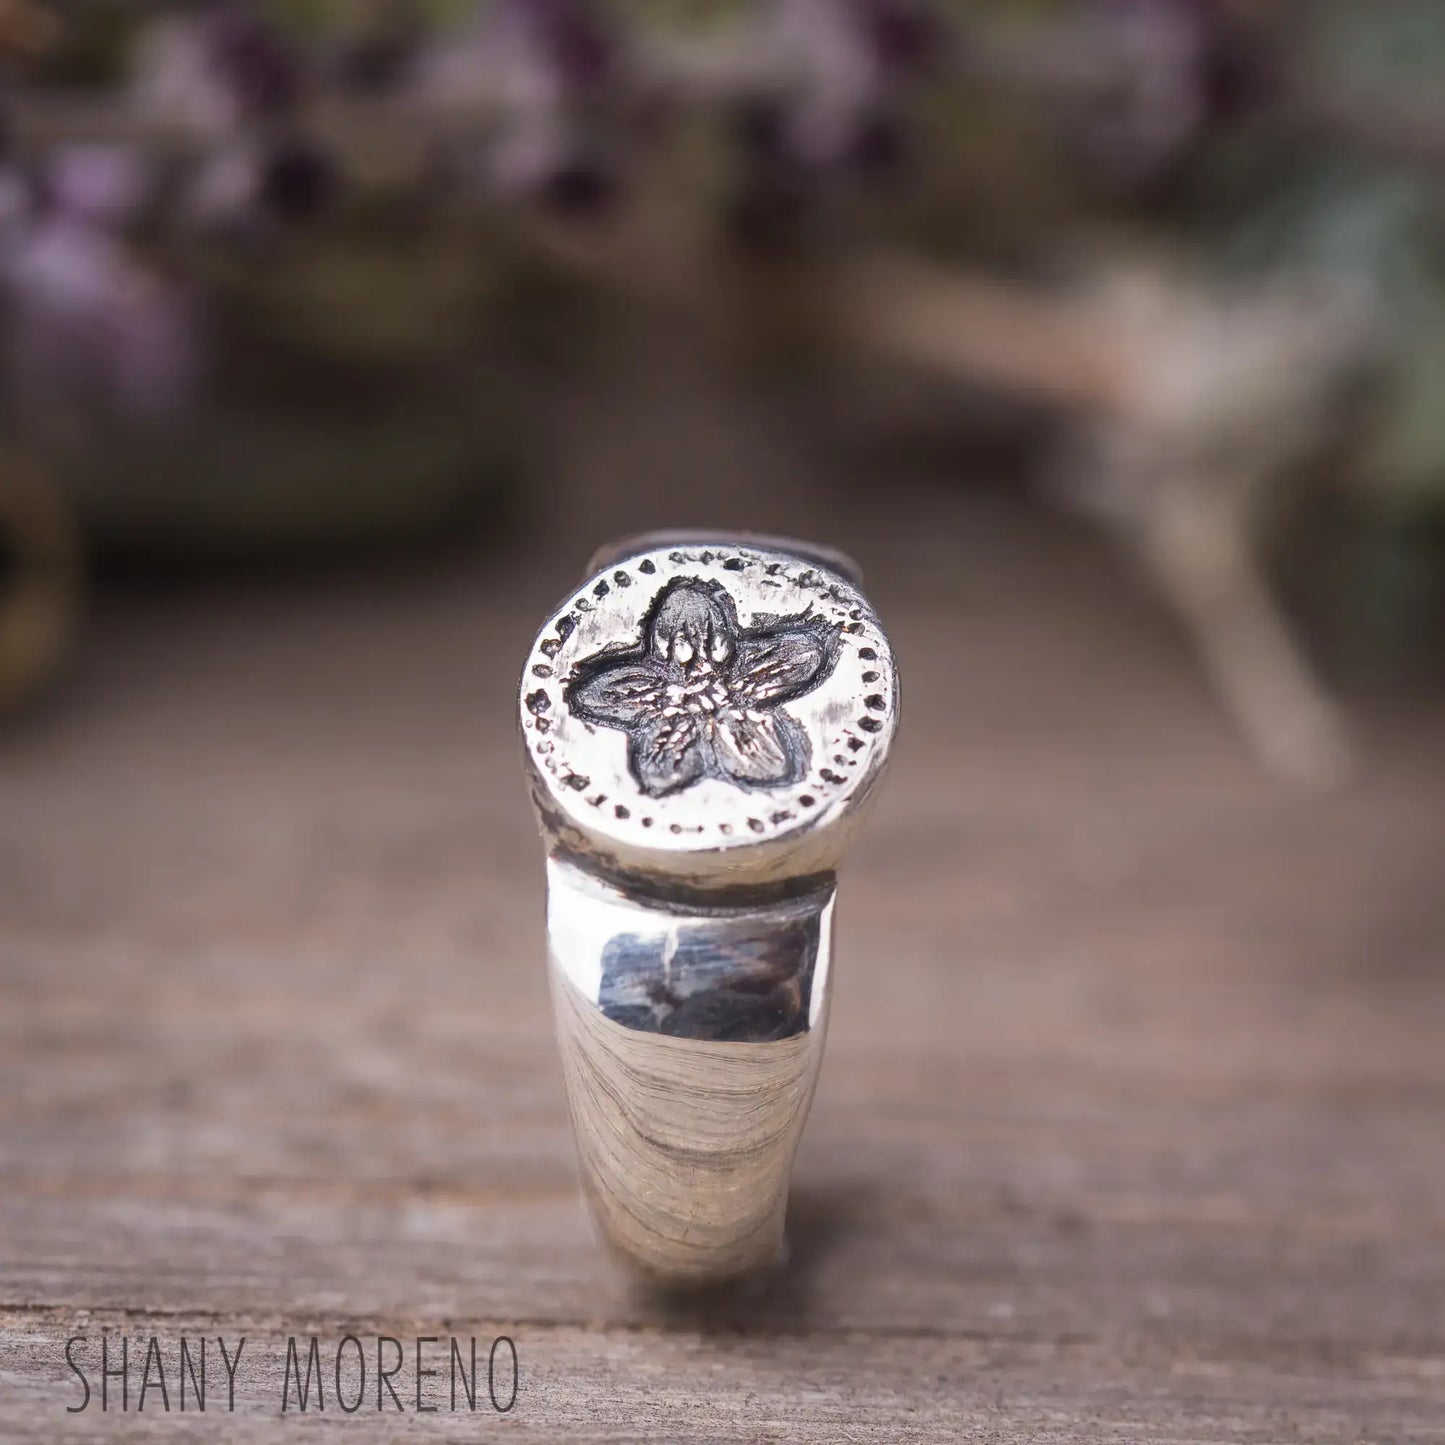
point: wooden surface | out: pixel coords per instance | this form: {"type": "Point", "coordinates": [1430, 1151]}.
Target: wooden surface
{"type": "Point", "coordinates": [1132, 1126]}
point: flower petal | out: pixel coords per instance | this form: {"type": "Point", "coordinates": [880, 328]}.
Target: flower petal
{"type": "Point", "coordinates": [693, 624]}
{"type": "Point", "coordinates": [669, 751]}
{"type": "Point", "coordinates": [756, 748]}
{"type": "Point", "coordinates": [617, 694]}
{"type": "Point", "coordinates": [786, 663]}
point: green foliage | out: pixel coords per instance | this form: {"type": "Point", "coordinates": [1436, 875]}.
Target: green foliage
{"type": "Point", "coordinates": [1270, 202]}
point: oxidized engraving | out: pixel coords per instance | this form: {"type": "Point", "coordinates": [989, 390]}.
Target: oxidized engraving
{"type": "Point", "coordinates": [700, 696]}
{"type": "Point", "coordinates": [625, 682]}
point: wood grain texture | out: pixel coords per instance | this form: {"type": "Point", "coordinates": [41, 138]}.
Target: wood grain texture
{"type": "Point", "coordinates": [1132, 1125]}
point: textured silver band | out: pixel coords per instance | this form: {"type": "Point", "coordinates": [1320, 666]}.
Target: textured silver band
{"type": "Point", "coordinates": [704, 719]}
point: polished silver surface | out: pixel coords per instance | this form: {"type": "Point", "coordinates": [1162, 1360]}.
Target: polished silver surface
{"type": "Point", "coordinates": [704, 719]}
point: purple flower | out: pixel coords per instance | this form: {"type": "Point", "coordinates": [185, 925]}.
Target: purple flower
{"type": "Point", "coordinates": [701, 696]}
{"type": "Point", "coordinates": [222, 67]}
{"type": "Point", "coordinates": [853, 62]}
{"type": "Point", "coordinates": [568, 41]}
{"type": "Point", "coordinates": [534, 54]}
{"type": "Point", "coordinates": [296, 181]}
{"type": "Point", "coordinates": [546, 68]}
{"type": "Point", "coordinates": [252, 60]}
{"type": "Point", "coordinates": [254, 187]}
{"type": "Point", "coordinates": [89, 321]}
{"type": "Point", "coordinates": [100, 185]}
{"type": "Point", "coordinates": [1181, 65]}
{"type": "Point", "coordinates": [905, 36]}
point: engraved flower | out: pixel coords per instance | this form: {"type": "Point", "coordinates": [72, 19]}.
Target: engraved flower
{"type": "Point", "coordinates": [700, 696]}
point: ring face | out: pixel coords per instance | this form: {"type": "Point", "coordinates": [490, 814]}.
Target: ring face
{"type": "Point", "coordinates": [699, 700]}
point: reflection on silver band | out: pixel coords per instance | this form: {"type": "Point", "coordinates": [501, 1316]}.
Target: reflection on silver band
{"type": "Point", "coordinates": [691, 1045]}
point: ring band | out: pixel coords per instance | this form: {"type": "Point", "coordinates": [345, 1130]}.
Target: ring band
{"type": "Point", "coordinates": [703, 719]}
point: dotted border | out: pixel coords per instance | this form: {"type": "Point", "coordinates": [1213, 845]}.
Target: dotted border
{"type": "Point", "coordinates": [831, 774]}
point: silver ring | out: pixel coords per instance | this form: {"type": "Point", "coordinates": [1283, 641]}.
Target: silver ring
{"type": "Point", "coordinates": [704, 719]}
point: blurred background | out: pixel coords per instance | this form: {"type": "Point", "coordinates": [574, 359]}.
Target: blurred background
{"type": "Point", "coordinates": [298, 287]}
{"type": "Point", "coordinates": [1107, 335]}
